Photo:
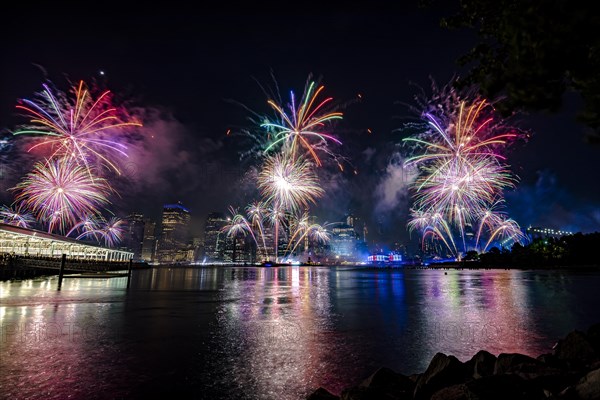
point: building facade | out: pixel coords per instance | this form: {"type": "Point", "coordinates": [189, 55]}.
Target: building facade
{"type": "Point", "coordinates": [134, 236]}
{"type": "Point", "coordinates": [149, 242]}
{"type": "Point", "coordinates": [174, 242]}
{"type": "Point", "coordinates": [214, 237]}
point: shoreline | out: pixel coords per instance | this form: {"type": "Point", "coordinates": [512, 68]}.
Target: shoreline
{"type": "Point", "coordinates": [571, 371]}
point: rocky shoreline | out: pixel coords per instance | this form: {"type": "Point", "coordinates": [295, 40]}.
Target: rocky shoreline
{"type": "Point", "coordinates": [570, 372]}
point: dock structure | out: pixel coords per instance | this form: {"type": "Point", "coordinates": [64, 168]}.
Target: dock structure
{"type": "Point", "coordinates": [16, 241]}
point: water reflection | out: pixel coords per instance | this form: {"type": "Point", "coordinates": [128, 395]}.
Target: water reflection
{"type": "Point", "coordinates": [470, 310]}
{"type": "Point", "coordinates": [273, 320]}
{"type": "Point", "coordinates": [278, 333]}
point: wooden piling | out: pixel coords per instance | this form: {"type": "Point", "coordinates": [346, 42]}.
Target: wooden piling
{"type": "Point", "coordinates": [129, 272]}
{"type": "Point", "coordinates": [63, 261]}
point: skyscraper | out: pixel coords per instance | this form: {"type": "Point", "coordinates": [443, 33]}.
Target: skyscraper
{"type": "Point", "coordinates": [149, 243]}
{"type": "Point", "coordinates": [214, 238]}
{"type": "Point", "coordinates": [134, 235]}
{"type": "Point", "coordinates": [173, 244]}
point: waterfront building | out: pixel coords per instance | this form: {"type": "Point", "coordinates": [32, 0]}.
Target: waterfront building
{"type": "Point", "coordinates": [173, 243]}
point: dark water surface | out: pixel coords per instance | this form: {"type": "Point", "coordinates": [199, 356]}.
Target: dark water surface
{"type": "Point", "coordinates": [279, 333]}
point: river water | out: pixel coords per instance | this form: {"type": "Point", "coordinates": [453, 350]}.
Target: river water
{"type": "Point", "coordinates": [270, 333]}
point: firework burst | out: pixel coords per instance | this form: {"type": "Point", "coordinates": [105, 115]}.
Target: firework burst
{"type": "Point", "coordinates": [302, 123]}
{"type": "Point", "coordinates": [61, 192]}
{"type": "Point", "coordinates": [17, 216]}
{"type": "Point", "coordinates": [111, 231]}
{"type": "Point", "coordinates": [305, 230]}
{"type": "Point", "coordinates": [107, 232]}
{"type": "Point", "coordinates": [288, 184]}
{"type": "Point", "coordinates": [81, 128]}
{"type": "Point", "coordinates": [462, 176]}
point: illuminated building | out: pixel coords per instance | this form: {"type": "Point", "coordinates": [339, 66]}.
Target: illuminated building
{"type": "Point", "coordinates": [343, 241]}
{"type": "Point", "coordinates": [539, 232]}
{"type": "Point", "coordinates": [149, 241]}
{"type": "Point", "coordinates": [173, 243]}
{"type": "Point", "coordinates": [392, 258]}
{"type": "Point", "coordinates": [134, 236]}
{"type": "Point", "coordinates": [214, 238]}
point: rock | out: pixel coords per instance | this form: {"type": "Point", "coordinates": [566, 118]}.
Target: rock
{"type": "Point", "coordinates": [322, 394]}
{"type": "Point", "coordinates": [588, 388]}
{"type": "Point", "coordinates": [550, 360]}
{"type": "Point", "coordinates": [454, 392]}
{"type": "Point", "coordinates": [366, 393]}
{"type": "Point", "coordinates": [550, 379]}
{"type": "Point", "coordinates": [513, 362]}
{"type": "Point", "coordinates": [575, 348]}
{"type": "Point", "coordinates": [501, 387]}
{"type": "Point", "coordinates": [390, 382]}
{"type": "Point", "coordinates": [443, 371]}
{"type": "Point", "coordinates": [483, 364]}
{"type": "Point", "coordinates": [593, 336]}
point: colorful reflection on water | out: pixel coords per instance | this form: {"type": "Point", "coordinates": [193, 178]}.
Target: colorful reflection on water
{"type": "Point", "coordinates": [270, 333]}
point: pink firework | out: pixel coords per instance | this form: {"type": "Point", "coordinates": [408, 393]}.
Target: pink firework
{"type": "Point", "coordinates": [17, 216]}
{"type": "Point", "coordinates": [81, 127]}
{"type": "Point", "coordinates": [61, 192]}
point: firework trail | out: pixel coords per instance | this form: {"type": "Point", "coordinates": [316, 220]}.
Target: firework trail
{"type": "Point", "coordinates": [111, 231]}
{"type": "Point", "coordinates": [17, 216]}
{"type": "Point", "coordinates": [80, 128]}
{"type": "Point", "coordinates": [462, 175]}
{"type": "Point", "coordinates": [287, 185]}
{"type": "Point", "coordinates": [87, 228]}
{"type": "Point", "coordinates": [299, 126]}
{"type": "Point", "coordinates": [305, 230]}
{"type": "Point", "coordinates": [257, 212]}
{"type": "Point", "coordinates": [61, 192]}
{"type": "Point", "coordinates": [106, 232]}
{"type": "Point", "coordinates": [238, 225]}
{"type": "Point", "coordinates": [302, 124]}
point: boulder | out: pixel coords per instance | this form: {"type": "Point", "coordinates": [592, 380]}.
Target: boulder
{"type": "Point", "coordinates": [322, 394]}
{"type": "Point", "coordinates": [367, 393]}
{"type": "Point", "coordinates": [550, 379]}
{"type": "Point", "coordinates": [454, 392]}
{"type": "Point", "coordinates": [390, 382]}
{"type": "Point", "coordinates": [550, 360]}
{"type": "Point", "coordinates": [443, 371]}
{"type": "Point", "coordinates": [593, 336]}
{"type": "Point", "coordinates": [575, 348]}
{"type": "Point", "coordinates": [501, 387]}
{"type": "Point", "coordinates": [482, 364]}
{"type": "Point", "coordinates": [514, 362]}
{"type": "Point", "coordinates": [588, 388]}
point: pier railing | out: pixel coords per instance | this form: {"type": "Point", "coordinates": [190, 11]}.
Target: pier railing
{"type": "Point", "coordinates": [71, 265]}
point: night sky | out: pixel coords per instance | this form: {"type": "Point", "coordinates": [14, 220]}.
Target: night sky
{"type": "Point", "coordinates": [185, 74]}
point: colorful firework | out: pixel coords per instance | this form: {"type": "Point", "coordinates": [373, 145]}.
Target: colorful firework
{"type": "Point", "coordinates": [87, 228]}
{"type": "Point", "coordinates": [106, 232]}
{"type": "Point", "coordinates": [111, 231]}
{"type": "Point", "coordinates": [80, 128]}
{"type": "Point", "coordinates": [462, 176]}
{"type": "Point", "coordinates": [288, 184]}
{"type": "Point", "coordinates": [238, 225]}
{"type": "Point", "coordinates": [302, 124]}
{"type": "Point", "coordinates": [61, 192]}
{"type": "Point", "coordinates": [257, 212]}
{"type": "Point", "coordinates": [303, 231]}
{"type": "Point", "coordinates": [17, 216]}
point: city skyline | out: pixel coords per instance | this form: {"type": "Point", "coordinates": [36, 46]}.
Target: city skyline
{"type": "Point", "coordinates": [191, 113]}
